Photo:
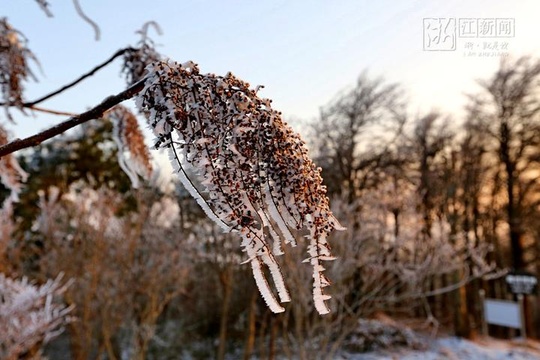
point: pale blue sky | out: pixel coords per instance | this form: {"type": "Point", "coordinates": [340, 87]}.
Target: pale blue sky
{"type": "Point", "coordinates": [304, 52]}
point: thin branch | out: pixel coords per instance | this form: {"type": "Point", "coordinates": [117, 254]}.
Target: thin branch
{"type": "Point", "coordinates": [78, 80]}
{"type": "Point", "coordinates": [91, 114]}
{"type": "Point", "coordinates": [144, 30]}
{"type": "Point", "coordinates": [44, 5]}
{"type": "Point", "coordinates": [50, 111]}
{"type": "Point", "coordinates": [87, 19]}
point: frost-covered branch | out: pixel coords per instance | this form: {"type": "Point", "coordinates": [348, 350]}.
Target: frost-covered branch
{"type": "Point", "coordinates": [255, 169]}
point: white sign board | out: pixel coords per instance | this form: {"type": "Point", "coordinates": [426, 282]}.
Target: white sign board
{"type": "Point", "coordinates": [502, 312]}
{"type": "Point", "coordinates": [521, 283]}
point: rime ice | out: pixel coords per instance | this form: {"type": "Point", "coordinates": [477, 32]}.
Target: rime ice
{"type": "Point", "coordinates": [254, 167]}
{"type": "Point", "coordinates": [133, 155]}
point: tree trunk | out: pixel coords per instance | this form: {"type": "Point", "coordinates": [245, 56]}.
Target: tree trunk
{"type": "Point", "coordinates": [272, 340]}
{"type": "Point", "coordinates": [225, 278]}
{"type": "Point", "coordinates": [513, 218]}
{"type": "Point", "coordinates": [461, 321]}
{"type": "Point", "coordinates": [250, 341]}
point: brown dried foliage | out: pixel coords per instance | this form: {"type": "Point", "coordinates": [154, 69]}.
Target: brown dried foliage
{"type": "Point", "coordinates": [14, 68]}
{"type": "Point", "coordinates": [133, 154]}
{"type": "Point", "coordinates": [11, 174]}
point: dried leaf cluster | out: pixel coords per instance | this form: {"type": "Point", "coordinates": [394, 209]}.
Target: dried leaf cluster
{"type": "Point", "coordinates": [14, 64]}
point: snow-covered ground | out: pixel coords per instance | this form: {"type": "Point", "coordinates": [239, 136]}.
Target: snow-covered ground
{"type": "Point", "coordinates": [454, 348]}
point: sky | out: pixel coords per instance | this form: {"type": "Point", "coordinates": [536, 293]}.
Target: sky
{"type": "Point", "coordinates": [303, 52]}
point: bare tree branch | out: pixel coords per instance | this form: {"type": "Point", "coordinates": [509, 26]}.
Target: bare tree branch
{"type": "Point", "coordinates": [78, 80]}
{"type": "Point", "coordinates": [91, 114]}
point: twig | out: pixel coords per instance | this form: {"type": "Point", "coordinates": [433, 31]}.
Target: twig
{"type": "Point", "coordinates": [87, 19]}
{"type": "Point", "coordinates": [78, 80]}
{"type": "Point", "coordinates": [91, 114]}
{"type": "Point", "coordinates": [50, 111]}
{"type": "Point", "coordinates": [45, 7]}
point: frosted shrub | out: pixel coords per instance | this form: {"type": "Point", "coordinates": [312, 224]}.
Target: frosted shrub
{"type": "Point", "coordinates": [29, 315]}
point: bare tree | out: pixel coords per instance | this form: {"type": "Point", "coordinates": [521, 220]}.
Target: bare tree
{"type": "Point", "coordinates": [356, 133]}
{"type": "Point", "coordinates": [430, 139]}
{"type": "Point", "coordinates": [508, 109]}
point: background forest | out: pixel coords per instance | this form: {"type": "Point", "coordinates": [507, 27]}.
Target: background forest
{"type": "Point", "coordinates": [437, 207]}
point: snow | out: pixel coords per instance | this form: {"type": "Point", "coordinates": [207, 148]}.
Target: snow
{"type": "Point", "coordinates": [385, 338]}
{"type": "Point", "coordinates": [444, 348]}
{"type": "Point", "coordinates": [458, 349]}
